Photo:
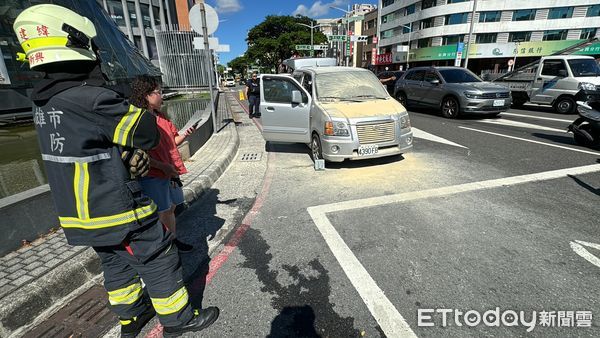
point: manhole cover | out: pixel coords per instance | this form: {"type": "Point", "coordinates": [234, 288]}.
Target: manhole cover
{"type": "Point", "coordinates": [85, 316]}
{"type": "Point", "coordinates": [247, 157]}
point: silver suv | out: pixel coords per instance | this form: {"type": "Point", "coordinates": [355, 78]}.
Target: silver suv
{"type": "Point", "coordinates": [452, 90]}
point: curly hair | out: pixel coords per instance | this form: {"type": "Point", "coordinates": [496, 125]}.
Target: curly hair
{"type": "Point", "coordinates": [140, 87]}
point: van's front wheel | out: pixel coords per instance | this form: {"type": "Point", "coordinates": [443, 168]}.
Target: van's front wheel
{"type": "Point", "coordinates": [315, 147]}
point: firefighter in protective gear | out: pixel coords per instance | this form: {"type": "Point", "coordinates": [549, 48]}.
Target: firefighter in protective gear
{"type": "Point", "coordinates": [92, 143]}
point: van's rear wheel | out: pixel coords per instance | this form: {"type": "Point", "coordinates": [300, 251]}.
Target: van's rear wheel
{"type": "Point", "coordinates": [315, 147]}
{"type": "Point", "coordinates": [564, 105]}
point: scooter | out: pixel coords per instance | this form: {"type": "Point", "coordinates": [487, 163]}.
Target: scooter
{"type": "Point", "coordinates": [586, 129]}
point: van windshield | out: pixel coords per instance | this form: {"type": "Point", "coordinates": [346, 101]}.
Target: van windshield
{"type": "Point", "coordinates": [584, 67]}
{"type": "Point", "coordinates": [349, 85]}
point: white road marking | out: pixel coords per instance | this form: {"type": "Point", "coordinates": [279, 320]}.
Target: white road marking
{"type": "Point", "coordinates": [518, 124]}
{"type": "Point", "coordinates": [581, 251]}
{"type": "Point", "coordinates": [532, 141]}
{"type": "Point", "coordinates": [537, 117]}
{"type": "Point", "coordinates": [387, 316]}
{"type": "Point", "coordinates": [418, 133]}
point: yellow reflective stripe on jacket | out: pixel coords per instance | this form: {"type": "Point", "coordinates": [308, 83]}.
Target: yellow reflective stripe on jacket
{"type": "Point", "coordinates": [175, 302]}
{"type": "Point", "coordinates": [51, 41]}
{"type": "Point", "coordinates": [81, 185]}
{"type": "Point", "coordinates": [127, 122]}
{"type": "Point", "coordinates": [108, 221]}
{"type": "Point", "coordinates": [126, 295]}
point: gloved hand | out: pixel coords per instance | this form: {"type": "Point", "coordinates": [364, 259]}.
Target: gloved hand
{"type": "Point", "coordinates": [137, 161]}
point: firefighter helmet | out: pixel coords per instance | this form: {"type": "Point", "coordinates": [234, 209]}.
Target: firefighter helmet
{"type": "Point", "coordinates": [50, 33]}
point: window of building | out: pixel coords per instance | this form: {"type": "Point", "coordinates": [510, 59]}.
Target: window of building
{"type": "Point", "coordinates": [426, 23]}
{"type": "Point", "coordinates": [493, 16]}
{"type": "Point", "coordinates": [387, 18]}
{"type": "Point", "coordinates": [407, 28]}
{"type": "Point", "coordinates": [387, 34]}
{"type": "Point", "coordinates": [553, 67]}
{"type": "Point", "coordinates": [132, 15]}
{"type": "Point", "coordinates": [155, 11]}
{"type": "Point", "coordinates": [519, 36]}
{"type": "Point", "coordinates": [422, 43]}
{"type": "Point", "coordinates": [452, 39]}
{"type": "Point", "coordinates": [524, 15]}
{"type": "Point", "coordinates": [152, 51]}
{"type": "Point", "coordinates": [587, 33]}
{"type": "Point", "coordinates": [410, 9]}
{"type": "Point", "coordinates": [115, 10]}
{"type": "Point", "coordinates": [370, 24]}
{"type": "Point", "coordinates": [593, 10]}
{"type": "Point", "coordinates": [560, 13]}
{"type": "Point", "coordinates": [456, 1]}
{"type": "Point", "coordinates": [553, 35]}
{"type": "Point", "coordinates": [387, 3]}
{"type": "Point", "coordinates": [146, 22]}
{"type": "Point", "coordinates": [455, 19]}
{"type": "Point", "coordinates": [428, 4]}
{"type": "Point", "coordinates": [486, 38]}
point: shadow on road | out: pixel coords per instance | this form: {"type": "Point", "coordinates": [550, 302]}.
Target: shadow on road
{"type": "Point", "coordinates": [588, 187]}
{"type": "Point", "coordinates": [566, 139]}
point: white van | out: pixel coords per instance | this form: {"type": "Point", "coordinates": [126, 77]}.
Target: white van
{"type": "Point", "coordinates": [340, 112]}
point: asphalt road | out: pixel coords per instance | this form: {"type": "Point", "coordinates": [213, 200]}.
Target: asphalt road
{"type": "Point", "coordinates": [501, 214]}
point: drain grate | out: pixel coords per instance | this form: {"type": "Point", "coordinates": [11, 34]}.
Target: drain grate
{"type": "Point", "coordinates": [85, 316]}
{"type": "Point", "coordinates": [248, 157]}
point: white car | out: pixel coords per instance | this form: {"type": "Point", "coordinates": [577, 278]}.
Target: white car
{"type": "Point", "coordinates": [230, 82]}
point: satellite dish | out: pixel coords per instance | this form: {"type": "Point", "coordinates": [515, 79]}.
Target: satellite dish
{"type": "Point", "coordinates": [212, 19]}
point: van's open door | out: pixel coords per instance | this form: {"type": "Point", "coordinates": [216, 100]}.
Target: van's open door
{"type": "Point", "coordinates": [284, 109]}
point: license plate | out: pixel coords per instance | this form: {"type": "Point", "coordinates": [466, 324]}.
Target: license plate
{"type": "Point", "coordinates": [368, 150]}
{"type": "Point", "coordinates": [498, 103]}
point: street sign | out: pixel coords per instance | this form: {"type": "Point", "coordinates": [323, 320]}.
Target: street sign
{"type": "Point", "coordinates": [212, 19]}
{"type": "Point", "coordinates": [375, 39]}
{"type": "Point", "coordinates": [303, 47]}
{"type": "Point", "coordinates": [341, 38]}
{"type": "Point", "coordinates": [213, 43]}
{"type": "Point", "coordinates": [353, 18]}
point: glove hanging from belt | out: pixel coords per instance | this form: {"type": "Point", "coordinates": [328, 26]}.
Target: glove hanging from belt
{"type": "Point", "coordinates": [137, 161]}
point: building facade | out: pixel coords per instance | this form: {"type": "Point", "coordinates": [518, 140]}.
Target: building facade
{"type": "Point", "coordinates": [431, 31]}
{"type": "Point", "coordinates": [139, 19]}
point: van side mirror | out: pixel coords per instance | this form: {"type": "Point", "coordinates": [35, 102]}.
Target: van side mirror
{"type": "Point", "coordinates": [296, 97]}
{"type": "Point", "coordinates": [435, 82]}
{"type": "Point", "coordinates": [562, 73]}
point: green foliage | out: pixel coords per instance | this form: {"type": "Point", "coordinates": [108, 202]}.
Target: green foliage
{"type": "Point", "coordinates": [220, 69]}
{"type": "Point", "coordinates": [239, 65]}
{"type": "Point", "coordinates": [274, 40]}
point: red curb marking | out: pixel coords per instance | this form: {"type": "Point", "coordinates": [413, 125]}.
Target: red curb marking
{"type": "Point", "coordinates": [217, 262]}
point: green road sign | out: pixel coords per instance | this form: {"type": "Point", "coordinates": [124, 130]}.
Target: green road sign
{"type": "Point", "coordinates": [341, 38]}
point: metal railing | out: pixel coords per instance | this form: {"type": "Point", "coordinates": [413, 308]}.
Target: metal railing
{"type": "Point", "coordinates": [183, 66]}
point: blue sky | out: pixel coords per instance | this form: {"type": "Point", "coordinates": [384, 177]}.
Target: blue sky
{"type": "Point", "coordinates": [238, 16]}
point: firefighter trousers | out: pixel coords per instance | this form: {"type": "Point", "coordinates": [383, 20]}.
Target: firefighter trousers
{"type": "Point", "coordinates": [148, 254]}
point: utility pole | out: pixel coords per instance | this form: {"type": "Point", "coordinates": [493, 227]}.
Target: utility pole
{"type": "Point", "coordinates": [470, 33]}
{"type": "Point", "coordinates": [209, 63]}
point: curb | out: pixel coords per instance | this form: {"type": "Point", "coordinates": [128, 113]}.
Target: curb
{"type": "Point", "coordinates": [33, 303]}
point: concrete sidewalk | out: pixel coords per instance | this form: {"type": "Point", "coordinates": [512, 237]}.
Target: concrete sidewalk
{"type": "Point", "coordinates": [36, 279]}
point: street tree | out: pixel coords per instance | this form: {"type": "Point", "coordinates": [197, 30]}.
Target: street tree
{"type": "Point", "coordinates": [275, 39]}
{"type": "Point", "coordinates": [239, 65]}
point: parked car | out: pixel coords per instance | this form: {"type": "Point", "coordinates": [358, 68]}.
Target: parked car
{"type": "Point", "coordinates": [230, 82]}
{"type": "Point", "coordinates": [340, 112]}
{"type": "Point", "coordinates": [452, 90]}
{"type": "Point", "coordinates": [390, 84]}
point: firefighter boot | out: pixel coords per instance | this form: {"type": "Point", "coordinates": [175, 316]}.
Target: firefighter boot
{"type": "Point", "coordinates": [130, 328]}
{"type": "Point", "coordinates": [201, 320]}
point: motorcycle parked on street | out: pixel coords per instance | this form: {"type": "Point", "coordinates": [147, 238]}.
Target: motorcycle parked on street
{"type": "Point", "coordinates": [586, 129]}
